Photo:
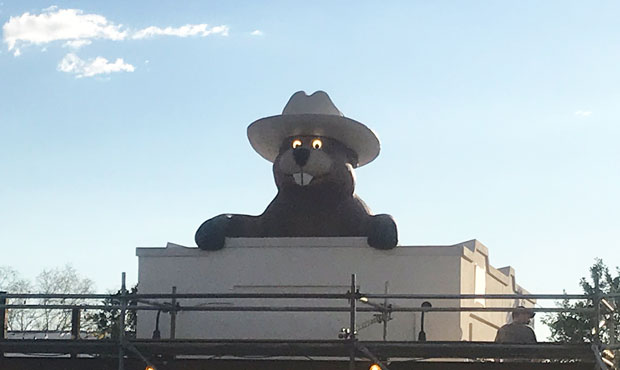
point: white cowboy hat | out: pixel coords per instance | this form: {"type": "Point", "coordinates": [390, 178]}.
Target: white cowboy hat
{"type": "Point", "coordinates": [314, 115]}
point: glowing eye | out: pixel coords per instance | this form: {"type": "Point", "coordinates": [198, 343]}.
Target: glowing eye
{"type": "Point", "coordinates": [317, 143]}
{"type": "Point", "coordinates": [296, 143]}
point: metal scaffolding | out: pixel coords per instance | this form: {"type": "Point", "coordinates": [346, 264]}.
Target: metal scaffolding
{"type": "Point", "coordinates": [349, 346]}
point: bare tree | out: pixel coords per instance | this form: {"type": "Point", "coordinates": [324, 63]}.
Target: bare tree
{"type": "Point", "coordinates": [64, 280]}
{"type": "Point", "coordinates": [12, 282]}
{"type": "Point", "coordinates": [61, 280]}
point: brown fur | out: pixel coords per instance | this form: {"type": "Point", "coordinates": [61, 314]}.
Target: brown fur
{"type": "Point", "coordinates": [324, 206]}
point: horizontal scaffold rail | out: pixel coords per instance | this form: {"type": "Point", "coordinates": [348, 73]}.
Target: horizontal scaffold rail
{"type": "Point", "coordinates": [321, 348]}
{"type": "Point", "coordinates": [298, 296]}
{"type": "Point", "coordinates": [284, 308]}
{"type": "Point", "coordinates": [348, 346]}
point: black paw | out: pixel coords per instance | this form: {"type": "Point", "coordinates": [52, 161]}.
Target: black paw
{"type": "Point", "coordinates": [212, 233]}
{"type": "Point", "coordinates": [382, 233]}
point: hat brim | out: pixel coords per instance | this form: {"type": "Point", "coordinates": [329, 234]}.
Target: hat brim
{"type": "Point", "coordinates": [267, 134]}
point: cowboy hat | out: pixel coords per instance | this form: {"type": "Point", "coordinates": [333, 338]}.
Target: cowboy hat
{"type": "Point", "coordinates": [312, 115]}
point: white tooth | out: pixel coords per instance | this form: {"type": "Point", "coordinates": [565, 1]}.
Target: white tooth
{"type": "Point", "coordinates": [302, 178]}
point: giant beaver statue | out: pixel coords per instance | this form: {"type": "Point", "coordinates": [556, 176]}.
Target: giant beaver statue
{"type": "Point", "coordinates": [314, 150]}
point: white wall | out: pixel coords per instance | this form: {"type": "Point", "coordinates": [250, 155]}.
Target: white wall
{"type": "Point", "coordinates": [307, 265]}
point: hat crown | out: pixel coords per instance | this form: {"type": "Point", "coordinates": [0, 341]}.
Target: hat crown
{"type": "Point", "coordinates": [317, 103]}
{"type": "Point", "coordinates": [314, 115]}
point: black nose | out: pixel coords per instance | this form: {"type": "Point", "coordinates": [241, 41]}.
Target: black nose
{"type": "Point", "coordinates": [301, 156]}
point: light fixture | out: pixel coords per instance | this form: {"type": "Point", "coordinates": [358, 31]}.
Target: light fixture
{"type": "Point", "coordinates": [608, 305]}
{"type": "Point", "coordinates": [422, 333]}
{"type": "Point", "coordinates": [608, 358]}
{"type": "Point", "coordinates": [345, 333]}
{"type": "Point", "coordinates": [374, 367]}
{"type": "Point", "coordinates": [156, 332]}
{"type": "Point", "coordinates": [364, 299]}
{"type": "Point", "coordinates": [609, 354]}
{"type": "Point", "coordinates": [149, 367]}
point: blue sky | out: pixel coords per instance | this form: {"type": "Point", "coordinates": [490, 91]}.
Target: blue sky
{"type": "Point", "coordinates": [122, 124]}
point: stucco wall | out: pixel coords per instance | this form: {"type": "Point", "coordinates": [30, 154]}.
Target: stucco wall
{"type": "Point", "coordinates": [479, 277]}
{"type": "Point", "coordinates": [308, 265]}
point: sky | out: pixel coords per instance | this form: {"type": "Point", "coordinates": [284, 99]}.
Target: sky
{"type": "Point", "coordinates": [123, 124]}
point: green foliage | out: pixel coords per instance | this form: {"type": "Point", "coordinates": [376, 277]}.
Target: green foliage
{"type": "Point", "coordinates": [576, 327]}
{"type": "Point", "coordinates": [107, 322]}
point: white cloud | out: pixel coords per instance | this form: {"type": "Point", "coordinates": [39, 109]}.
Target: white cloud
{"type": "Point", "coordinates": [58, 24]}
{"type": "Point", "coordinates": [71, 63]}
{"type": "Point", "coordinates": [257, 33]}
{"type": "Point", "coordinates": [583, 113]}
{"type": "Point", "coordinates": [76, 44]}
{"type": "Point", "coordinates": [77, 29]}
{"type": "Point", "coordinates": [202, 30]}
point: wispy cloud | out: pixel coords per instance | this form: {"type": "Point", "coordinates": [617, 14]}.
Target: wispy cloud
{"type": "Point", "coordinates": [257, 33]}
{"type": "Point", "coordinates": [201, 30]}
{"type": "Point", "coordinates": [583, 113]}
{"type": "Point", "coordinates": [71, 63]}
{"type": "Point", "coordinates": [76, 44]}
{"type": "Point", "coordinates": [78, 29]}
{"type": "Point", "coordinates": [57, 25]}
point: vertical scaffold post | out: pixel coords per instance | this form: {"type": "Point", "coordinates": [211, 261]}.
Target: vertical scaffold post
{"type": "Point", "coordinates": [75, 327]}
{"type": "Point", "coordinates": [75, 323]}
{"type": "Point", "coordinates": [3, 315]}
{"type": "Point", "coordinates": [173, 314]}
{"type": "Point", "coordinates": [121, 324]}
{"type": "Point", "coordinates": [385, 314]}
{"type": "Point", "coordinates": [352, 334]}
{"type": "Point", "coordinates": [3, 319]}
{"type": "Point", "coordinates": [597, 307]}
{"type": "Point", "coordinates": [611, 325]}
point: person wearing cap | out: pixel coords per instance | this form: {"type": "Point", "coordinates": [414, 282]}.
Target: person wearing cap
{"type": "Point", "coordinates": [518, 331]}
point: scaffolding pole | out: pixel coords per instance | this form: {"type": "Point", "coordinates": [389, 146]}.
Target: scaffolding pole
{"type": "Point", "coordinates": [352, 335]}
{"type": "Point", "coordinates": [121, 324]}
{"type": "Point", "coordinates": [350, 346]}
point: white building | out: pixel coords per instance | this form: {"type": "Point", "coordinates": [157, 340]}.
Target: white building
{"type": "Point", "coordinates": [324, 265]}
